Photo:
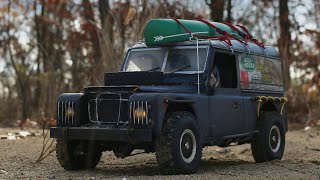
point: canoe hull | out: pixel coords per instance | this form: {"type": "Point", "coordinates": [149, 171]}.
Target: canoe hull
{"type": "Point", "coordinates": [167, 31]}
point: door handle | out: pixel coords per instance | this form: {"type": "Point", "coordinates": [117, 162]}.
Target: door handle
{"type": "Point", "coordinates": [236, 105]}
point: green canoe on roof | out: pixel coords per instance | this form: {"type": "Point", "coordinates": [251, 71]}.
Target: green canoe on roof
{"type": "Point", "coordinates": [167, 31]}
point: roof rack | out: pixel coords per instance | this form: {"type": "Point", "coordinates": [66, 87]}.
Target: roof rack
{"type": "Point", "coordinates": [225, 36]}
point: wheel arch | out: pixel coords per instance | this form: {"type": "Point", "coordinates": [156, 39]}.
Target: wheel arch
{"type": "Point", "coordinates": [173, 106]}
{"type": "Point", "coordinates": [268, 106]}
{"type": "Point", "coordinates": [271, 107]}
{"type": "Point", "coordinates": [176, 106]}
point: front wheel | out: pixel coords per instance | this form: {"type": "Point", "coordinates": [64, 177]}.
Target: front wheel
{"type": "Point", "coordinates": [77, 155]}
{"type": "Point", "coordinates": [178, 148]}
{"type": "Point", "coordinates": [270, 142]}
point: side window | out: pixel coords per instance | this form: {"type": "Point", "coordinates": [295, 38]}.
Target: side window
{"type": "Point", "coordinates": [260, 73]}
{"type": "Point", "coordinates": [224, 70]}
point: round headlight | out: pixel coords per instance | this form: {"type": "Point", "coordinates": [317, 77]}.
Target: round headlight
{"type": "Point", "coordinates": [69, 112]}
{"type": "Point", "coordinates": [140, 114]}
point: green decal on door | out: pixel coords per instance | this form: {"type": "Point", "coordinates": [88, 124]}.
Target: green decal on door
{"type": "Point", "coordinates": [248, 63]}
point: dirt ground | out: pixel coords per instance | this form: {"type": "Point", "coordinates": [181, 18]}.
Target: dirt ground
{"type": "Point", "coordinates": [301, 161]}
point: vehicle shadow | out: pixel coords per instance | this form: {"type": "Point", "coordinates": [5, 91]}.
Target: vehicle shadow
{"type": "Point", "coordinates": [150, 168]}
{"type": "Point", "coordinates": [218, 165]}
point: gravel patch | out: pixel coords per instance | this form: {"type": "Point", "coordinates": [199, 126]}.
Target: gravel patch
{"type": "Point", "coordinates": [301, 161]}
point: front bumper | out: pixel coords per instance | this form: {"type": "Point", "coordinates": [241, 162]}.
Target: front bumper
{"type": "Point", "coordinates": [104, 134]}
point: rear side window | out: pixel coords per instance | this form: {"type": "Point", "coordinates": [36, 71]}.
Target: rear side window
{"type": "Point", "coordinates": [260, 73]}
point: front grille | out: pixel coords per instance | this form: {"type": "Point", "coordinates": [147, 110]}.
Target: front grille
{"type": "Point", "coordinates": [66, 112]}
{"type": "Point", "coordinates": [108, 108]}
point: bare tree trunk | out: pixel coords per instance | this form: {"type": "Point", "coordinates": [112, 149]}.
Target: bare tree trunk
{"type": "Point", "coordinates": [105, 18]}
{"type": "Point", "coordinates": [229, 10]}
{"type": "Point", "coordinates": [285, 40]}
{"type": "Point", "coordinates": [22, 83]}
{"type": "Point", "coordinates": [106, 38]}
{"type": "Point", "coordinates": [216, 8]}
{"type": "Point", "coordinates": [89, 17]}
{"type": "Point", "coordinates": [39, 36]}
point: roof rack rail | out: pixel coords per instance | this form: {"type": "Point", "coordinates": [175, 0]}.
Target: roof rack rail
{"type": "Point", "coordinates": [225, 36]}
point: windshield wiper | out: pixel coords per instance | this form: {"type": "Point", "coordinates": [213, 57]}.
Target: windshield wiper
{"type": "Point", "coordinates": [180, 68]}
{"type": "Point", "coordinates": [154, 69]}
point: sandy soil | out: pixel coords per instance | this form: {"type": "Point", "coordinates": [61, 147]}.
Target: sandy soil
{"type": "Point", "coordinates": [301, 161]}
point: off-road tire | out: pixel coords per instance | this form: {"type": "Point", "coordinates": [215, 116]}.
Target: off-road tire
{"type": "Point", "coordinates": [69, 160]}
{"type": "Point", "coordinates": [270, 142]}
{"type": "Point", "coordinates": [179, 128]}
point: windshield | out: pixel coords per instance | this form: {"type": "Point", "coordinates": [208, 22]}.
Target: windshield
{"type": "Point", "coordinates": [166, 60]}
{"type": "Point", "coordinates": [146, 60]}
{"type": "Point", "coordinates": [185, 60]}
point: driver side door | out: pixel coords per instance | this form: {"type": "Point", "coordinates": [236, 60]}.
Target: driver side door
{"type": "Point", "coordinates": [226, 103]}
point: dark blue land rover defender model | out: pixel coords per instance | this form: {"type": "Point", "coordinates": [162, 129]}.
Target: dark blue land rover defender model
{"type": "Point", "coordinates": [174, 100]}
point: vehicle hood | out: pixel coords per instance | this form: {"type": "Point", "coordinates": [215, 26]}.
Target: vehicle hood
{"type": "Point", "coordinates": [167, 89]}
{"type": "Point", "coordinates": [142, 89]}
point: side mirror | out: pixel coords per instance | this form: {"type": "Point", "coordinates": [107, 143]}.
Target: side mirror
{"type": "Point", "coordinates": [213, 80]}
{"type": "Point", "coordinates": [211, 84]}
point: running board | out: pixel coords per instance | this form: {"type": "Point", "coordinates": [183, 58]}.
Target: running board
{"type": "Point", "coordinates": [236, 138]}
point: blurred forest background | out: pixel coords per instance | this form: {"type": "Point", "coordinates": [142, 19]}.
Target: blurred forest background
{"type": "Point", "coordinates": [48, 47]}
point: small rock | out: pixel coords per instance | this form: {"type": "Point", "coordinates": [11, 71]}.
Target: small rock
{"type": "Point", "coordinates": [24, 133]}
{"type": "Point", "coordinates": [3, 172]}
{"type": "Point", "coordinates": [244, 151]}
{"type": "Point", "coordinates": [92, 178]}
{"type": "Point", "coordinates": [3, 137]}
{"type": "Point", "coordinates": [307, 128]}
{"type": "Point", "coordinates": [52, 177]}
{"type": "Point", "coordinates": [310, 135]}
{"type": "Point", "coordinates": [35, 134]}
{"type": "Point", "coordinates": [11, 138]}
{"type": "Point", "coordinates": [124, 178]}
{"type": "Point", "coordinates": [223, 150]}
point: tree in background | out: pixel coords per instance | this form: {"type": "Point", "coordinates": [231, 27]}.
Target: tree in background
{"type": "Point", "coordinates": [216, 9]}
{"type": "Point", "coordinates": [285, 40]}
{"type": "Point", "coordinates": [16, 54]}
{"type": "Point", "coordinates": [51, 46]}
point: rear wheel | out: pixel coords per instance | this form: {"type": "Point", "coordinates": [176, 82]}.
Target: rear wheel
{"type": "Point", "coordinates": [178, 149]}
{"type": "Point", "coordinates": [76, 155]}
{"type": "Point", "coordinates": [270, 142]}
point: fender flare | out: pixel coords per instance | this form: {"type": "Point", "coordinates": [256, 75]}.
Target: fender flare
{"type": "Point", "coordinates": [165, 105]}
